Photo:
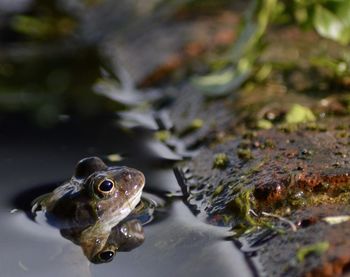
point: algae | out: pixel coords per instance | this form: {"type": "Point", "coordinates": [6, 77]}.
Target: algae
{"type": "Point", "coordinates": [317, 249]}
{"type": "Point", "coordinates": [244, 154]}
{"type": "Point", "coordinates": [221, 161]}
{"type": "Point", "coordinates": [314, 126]}
{"type": "Point", "coordinates": [241, 206]}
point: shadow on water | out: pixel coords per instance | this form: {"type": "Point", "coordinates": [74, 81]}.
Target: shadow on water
{"type": "Point", "coordinates": [33, 160]}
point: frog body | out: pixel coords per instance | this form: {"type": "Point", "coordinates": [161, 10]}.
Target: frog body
{"type": "Point", "coordinates": [90, 208]}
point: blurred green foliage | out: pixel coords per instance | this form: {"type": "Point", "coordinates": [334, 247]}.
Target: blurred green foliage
{"type": "Point", "coordinates": [329, 18]}
{"type": "Point", "coordinates": [43, 27]}
{"type": "Point", "coordinates": [56, 72]}
{"type": "Point", "coordinates": [242, 56]}
{"type": "Point", "coordinates": [299, 114]}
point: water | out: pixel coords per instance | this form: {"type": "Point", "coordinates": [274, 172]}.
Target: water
{"type": "Point", "coordinates": [33, 160]}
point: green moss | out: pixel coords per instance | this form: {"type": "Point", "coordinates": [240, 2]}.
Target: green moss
{"type": "Point", "coordinates": [288, 127]}
{"type": "Point", "coordinates": [317, 249]}
{"type": "Point", "coordinates": [299, 114]}
{"type": "Point", "coordinates": [268, 143]}
{"type": "Point", "coordinates": [271, 226]}
{"type": "Point", "coordinates": [250, 135]}
{"type": "Point", "coordinates": [313, 126]}
{"type": "Point", "coordinates": [241, 206]}
{"type": "Point", "coordinates": [342, 134]}
{"type": "Point", "coordinates": [244, 154]}
{"type": "Point", "coordinates": [321, 199]}
{"type": "Point", "coordinates": [296, 199]}
{"type": "Point", "coordinates": [264, 124]}
{"type": "Point", "coordinates": [220, 161]}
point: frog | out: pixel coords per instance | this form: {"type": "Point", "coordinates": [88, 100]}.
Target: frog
{"type": "Point", "coordinates": [91, 207]}
{"type": "Point", "coordinates": [101, 247]}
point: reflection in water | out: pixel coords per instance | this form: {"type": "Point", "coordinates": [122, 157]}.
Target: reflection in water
{"type": "Point", "coordinates": [102, 247]}
{"type": "Point", "coordinates": [92, 209]}
{"type": "Point", "coordinates": [99, 242]}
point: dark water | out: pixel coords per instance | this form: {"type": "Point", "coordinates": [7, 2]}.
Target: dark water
{"type": "Point", "coordinates": [33, 160]}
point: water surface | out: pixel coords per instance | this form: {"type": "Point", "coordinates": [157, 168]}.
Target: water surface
{"type": "Point", "coordinates": [34, 160]}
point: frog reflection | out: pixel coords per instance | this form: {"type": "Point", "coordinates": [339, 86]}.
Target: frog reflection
{"type": "Point", "coordinates": [89, 209]}
{"type": "Point", "coordinates": [102, 247]}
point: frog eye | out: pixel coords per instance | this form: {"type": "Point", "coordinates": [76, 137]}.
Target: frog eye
{"type": "Point", "coordinates": [106, 256]}
{"type": "Point", "coordinates": [104, 188]}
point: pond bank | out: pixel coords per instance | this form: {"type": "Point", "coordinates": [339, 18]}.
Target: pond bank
{"type": "Point", "coordinates": [273, 162]}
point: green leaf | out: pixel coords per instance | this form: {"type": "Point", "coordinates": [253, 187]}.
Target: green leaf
{"type": "Point", "coordinates": [222, 83]}
{"type": "Point", "coordinates": [299, 114]}
{"type": "Point", "coordinates": [264, 124]}
{"type": "Point", "coordinates": [244, 53]}
{"type": "Point", "coordinates": [333, 25]}
{"type": "Point", "coordinates": [215, 79]}
{"type": "Point", "coordinates": [342, 11]}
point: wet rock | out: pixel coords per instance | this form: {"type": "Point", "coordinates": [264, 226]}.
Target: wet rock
{"type": "Point", "coordinates": [291, 181]}
{"type": "Point", "coordinates": [279, 165]}
{"type": "Point", "coordinates": [333, 261]}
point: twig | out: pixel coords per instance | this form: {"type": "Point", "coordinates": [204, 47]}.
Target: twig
{"type": "Point", "coordinates": [290, 223]}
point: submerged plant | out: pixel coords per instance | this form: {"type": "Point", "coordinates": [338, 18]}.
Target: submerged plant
{"type": "Point", "coordinates": [317, 248]}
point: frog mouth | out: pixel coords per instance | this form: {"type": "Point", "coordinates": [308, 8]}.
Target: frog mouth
{"type": "Point", "coordinates": [123, 211]}
{"type": "Point", "coordinates": [135, 200]}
